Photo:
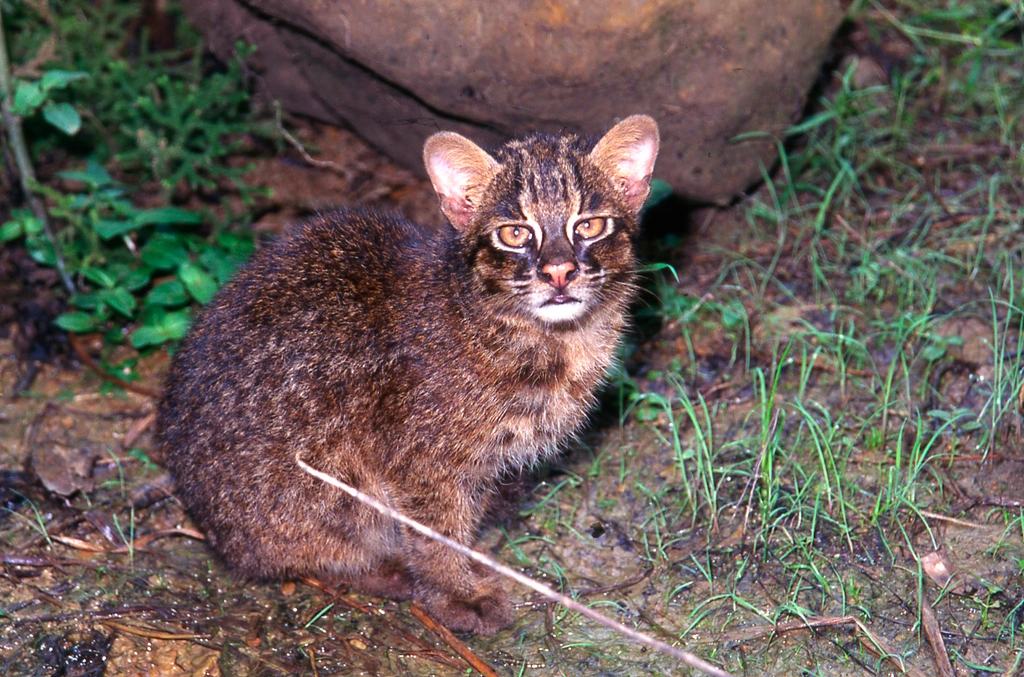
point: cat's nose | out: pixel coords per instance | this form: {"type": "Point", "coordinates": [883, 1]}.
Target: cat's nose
{"type": "Point", "coordinates": [559, 274]}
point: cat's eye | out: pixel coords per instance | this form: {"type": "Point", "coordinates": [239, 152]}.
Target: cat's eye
{"type": "Point", "coordinates": [514, 236]}
{"type": "Point", "coordinates": [592, 228]}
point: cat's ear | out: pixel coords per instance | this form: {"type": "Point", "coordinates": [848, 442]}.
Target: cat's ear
{"type": "Point", "coordinates": [460, 171]}
{"type": "Point", "coordinates": [627, 153]}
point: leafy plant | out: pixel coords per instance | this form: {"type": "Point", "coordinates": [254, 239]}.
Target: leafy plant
{"type": "Point", "coordinates": [137, 265]}
{"type": "Point", "coordinates": [163, 116]}
{"type": "Point", "coordinates": [181, 124]}
{"type": "Point", "coordinates": [31, 96]}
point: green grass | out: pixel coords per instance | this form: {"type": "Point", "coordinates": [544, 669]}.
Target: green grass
{"type": "Point", "coordinates": [867, 336]}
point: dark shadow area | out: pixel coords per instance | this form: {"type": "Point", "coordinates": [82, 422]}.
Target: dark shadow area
{"type": "Point", "coordinates": [667, 232]}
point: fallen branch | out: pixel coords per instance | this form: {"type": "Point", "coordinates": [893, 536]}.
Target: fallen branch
{"type": "Point", "coordinates": [452, 641]}
{"type": "Point", "coordinates": [87, 359]}
{"type": "Point", "coordinates": [567, 602]}
{"type": "Point", "coordinates": [932, 630]}
{"type": "Point", "coordinates": [150, 633]}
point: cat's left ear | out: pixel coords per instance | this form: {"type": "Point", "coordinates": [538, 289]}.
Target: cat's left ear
{"type": "Point", "coordinates": [460, 171]}
{"type": "Point", "coordinates": [627, 153]}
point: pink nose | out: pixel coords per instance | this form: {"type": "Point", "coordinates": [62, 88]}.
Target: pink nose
{"type": "Point", "coordinates": [559, 273]}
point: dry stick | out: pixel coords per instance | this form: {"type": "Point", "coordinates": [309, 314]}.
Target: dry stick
{"type": "Point", "coordinates": [297, 145]}
{"type": "Point", "coordinates": [12, 123]}
{"type": "Point", "coordinates": [568, 602]}
{"type": "Point", "coordinates": [933, 632]}
{"type": "Point", "coordinates": [312, 661]}
{"type": "Point", "coordinates": [149, 633]}
{"type": "Point", "coordinates": [451, 640]}
{"type": "Point", "coordinates": [84, 356]}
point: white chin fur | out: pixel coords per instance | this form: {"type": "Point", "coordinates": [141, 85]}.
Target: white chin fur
{"type": "Point", "coordinates": [560, 312]}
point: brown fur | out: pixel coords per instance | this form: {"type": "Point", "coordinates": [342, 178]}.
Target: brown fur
{"type": "Point", "coordinates": [410, 364]}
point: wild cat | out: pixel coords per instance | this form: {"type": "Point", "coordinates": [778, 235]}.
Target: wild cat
{"type": "Point", "coordinates": [418, 366]}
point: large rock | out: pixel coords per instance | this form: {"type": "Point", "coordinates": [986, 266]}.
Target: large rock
{"type": "Point", "coordinates": [399, 70]}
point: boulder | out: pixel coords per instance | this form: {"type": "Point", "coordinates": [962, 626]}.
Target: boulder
{"type": "Point", "coordinates": [398, 70]}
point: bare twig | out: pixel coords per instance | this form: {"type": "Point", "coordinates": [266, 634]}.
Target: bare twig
{"type": "Point", "coordinates": [568, 602]}
{"type": "Point", "coordinates": [297, 145]}
{"type": "Point", "coordinates": [150, 633]}
{"type": "Point", "coordinates": [312, 661]}
{"type": "Point", "coordinates": [85, 357]}
{"type": "Point", "coordinates": [12, 125]}
{"type": "Point", "coordinates": [452, 641]}
{"type": "Point", "coordinates": [135, 432]}
{"type": "Point", "coordinates": [934, 634]}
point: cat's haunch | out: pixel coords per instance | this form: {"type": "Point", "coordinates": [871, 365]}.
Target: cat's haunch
{"type": "Point", "coordinates": [417, 366]}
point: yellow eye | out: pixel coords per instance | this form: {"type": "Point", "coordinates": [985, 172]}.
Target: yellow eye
{"type": "Point", "coordinates": [592, 228]}
{"type": "Point", "coordinates": [514, 236]}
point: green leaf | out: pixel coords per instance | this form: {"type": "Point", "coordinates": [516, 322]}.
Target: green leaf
{"type": "Point", "coordinates": [166, 216]}
{"type": "Point", "coordinates": [165, 327]}
{"type": "Point", "coordinates": [122, 301]}
{"type": "Point", "coordinates": [41, 251]}
{"type": "Point", "coordinates": [28, 96]}
{"type": "Point", "coordinates": [657, 267]}
{"type": "Point", "coordinates": [733, 315]}
{"type": "Point", "coordinates": [239, 246]}
{"type": "Point", "coordinates": [76, 321]}
{"type": "Point", "coordinates": [32, 225]}
{"type": "Point", "coordinates": [200, 284]}
{"type": "Point", "coordinates": [218, 262]}
{"type": "Point", "coordinates": [164, 251]}
{"type": "Point", "coordinates": [138, 278]}
{"type": "Point", "coordinates": [108, 228]}
{"type": "Point", "coordinates": [171, 293]}
{"type": "Point", "coordinates": [646, 412]}
{"type": "Point", "coordinates": [89, 301]}
{"type": "Point", "coordinates": [11, 230]}
{"type": "Point", "coordinates": [176, 324]}
{"type": "Point", "coordinates": [58, 79]}
{"type": "Point", "coordinates": [148, 336]}
{"type": "Point", "coordinates": [64, 117]}
{"type": "Point", "coordinates": [94, 175]}
{"type": "Point", "coordinates": [933, 351]}
{"type": "Point", "coordinates": [100, 277]}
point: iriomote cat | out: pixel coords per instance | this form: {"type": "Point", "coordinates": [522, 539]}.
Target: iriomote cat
{"type": "Point", "coordinates": [418, 366]}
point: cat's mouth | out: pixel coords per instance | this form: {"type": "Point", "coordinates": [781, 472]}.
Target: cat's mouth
{"type": "Point", "coordinates": [559, 299]}
{"type": "Point", "coordinates": [561, 308]}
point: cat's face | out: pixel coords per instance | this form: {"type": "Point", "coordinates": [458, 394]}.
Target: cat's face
{"type": "Point", "coordinates": [550, 240]}
{"type": "Point", "coordinates": [548, 221]}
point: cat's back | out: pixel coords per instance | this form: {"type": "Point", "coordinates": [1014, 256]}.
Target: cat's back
{"type": "Point", "coordinates": [339, 297]}
{"type": "Point", "coordinates": [338, 281]}
{"type": "Point", "coordinates": [336, 264]}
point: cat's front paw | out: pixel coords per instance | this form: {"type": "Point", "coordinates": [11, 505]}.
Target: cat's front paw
{"type": "Point", "coordinates": [485, 613]}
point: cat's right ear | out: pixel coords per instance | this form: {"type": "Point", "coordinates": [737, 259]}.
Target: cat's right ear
{"type": "Point", "coordinates": [460, 171]}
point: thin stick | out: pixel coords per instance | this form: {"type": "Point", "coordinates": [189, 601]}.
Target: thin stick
{"type": "Point", "coordinates": [297, 145]}
{"type": "Point", "coordinates": [84, 356]}
{"type": "Point", "coordinates": [149, 633]}
{"type": "Point", "coordinates": [933, 631]}
{"type": "Point", "coordinates": [12, 123]}
{"type": "Point", "coordinates": [451, 640]}
{"type": "Point", "coordinates": [568, 602]}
